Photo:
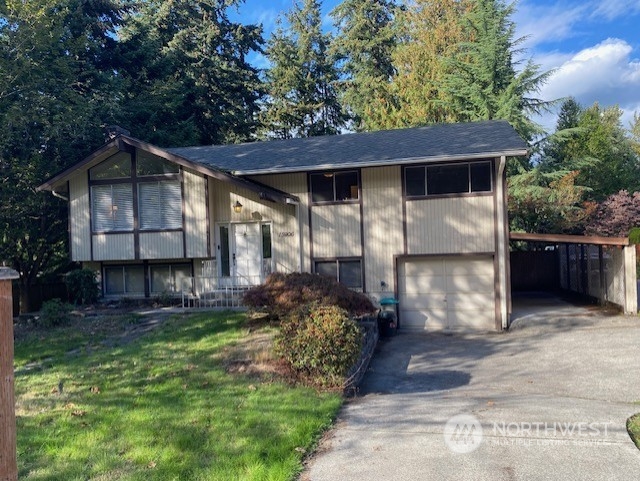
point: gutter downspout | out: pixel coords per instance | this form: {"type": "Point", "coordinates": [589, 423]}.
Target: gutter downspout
{"type": "Point", "coordinates": [59, 196]}
{"type": "Point", "coordinates": [503, 247]}
{"type": "Point", "coordinates": [300, 238]}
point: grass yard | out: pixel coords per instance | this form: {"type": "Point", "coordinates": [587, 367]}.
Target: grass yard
{"type": "Point", "coordinates": [175, 403]}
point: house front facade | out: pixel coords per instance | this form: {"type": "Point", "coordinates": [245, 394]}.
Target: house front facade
{"type": "Point", "coordinates": [417, 214]}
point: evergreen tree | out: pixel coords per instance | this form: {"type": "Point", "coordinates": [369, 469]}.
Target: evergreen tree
{"type": "Point", "coordinates": [364, 43]}
{"type": "Point", "coordinates": [301, 82]}
{"type": "Point", "coordinates": [57, 83]}
{"type": "Point", "coordinates": [430, 32]}
{"type": "Point", "coordinates": [482, 83]}
{"type": "Point", "coordinates": [188, 78]}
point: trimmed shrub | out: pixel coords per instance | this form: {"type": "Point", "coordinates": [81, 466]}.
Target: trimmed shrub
{"type": "Point", "coordinates": [282, 294]}
{"type": "Point", "coordinates": [82, 286]}
{"type": "Point", "coordinates": [320, 343]}
{"type": "Point", "coordinates": [54, 313]}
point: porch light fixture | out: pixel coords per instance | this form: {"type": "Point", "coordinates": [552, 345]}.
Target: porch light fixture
{"type": "Point", "coordinates": [237, 207]}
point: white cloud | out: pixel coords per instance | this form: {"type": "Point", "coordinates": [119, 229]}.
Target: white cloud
{"type": "Point", "coordinates": [612, 9]}
{"type": "Point", "coordinates": [605, 73]}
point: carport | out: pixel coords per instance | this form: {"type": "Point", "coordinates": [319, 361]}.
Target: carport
{"type": "Point", "coordinates": [599, 268]}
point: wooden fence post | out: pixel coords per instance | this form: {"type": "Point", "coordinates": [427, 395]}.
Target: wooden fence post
{"type": "Point", "coordinates": [8, 462]}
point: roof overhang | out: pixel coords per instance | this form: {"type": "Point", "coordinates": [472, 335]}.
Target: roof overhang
{"type": "Point", "coordinates": [124, 143]}
{"type": "Point", "coordinates": [569, 239]}
{"type": "Point", "coordinates": [385, 162]}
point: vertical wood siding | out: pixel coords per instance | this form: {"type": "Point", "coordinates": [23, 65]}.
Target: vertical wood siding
{"type": "Point", "coordinates": [161, 245]}
{"type": "Point", "coordinates": [336, 230]}
{"type": "Point", "coordinates": [382, 210]}
{"type": "Point", "coordinates": [79, 218]}
{"type": "Point", "coordinates": [452, 225]}
{"type": "Point", "coordinates": [195, 215]}
{"type": "Point", "coordinates": [286, 248]}
{"type": "Point", "coordinates": [113, 247]}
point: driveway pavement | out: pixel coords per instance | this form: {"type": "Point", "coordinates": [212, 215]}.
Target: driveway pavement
{"type": "Point", "coordinates": [551, 398]}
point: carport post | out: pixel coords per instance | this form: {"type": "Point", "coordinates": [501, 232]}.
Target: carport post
{"type": "Point", "coordinates": [8, 462]}
{"type": "Point", "coordinates": [630, 281]}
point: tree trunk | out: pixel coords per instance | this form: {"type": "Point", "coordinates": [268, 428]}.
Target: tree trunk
{"type": "Point", "coordinates": [25, 298]}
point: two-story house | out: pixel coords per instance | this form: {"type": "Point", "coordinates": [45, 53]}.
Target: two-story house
{"type": "Point", "coordinates": [418, 213]}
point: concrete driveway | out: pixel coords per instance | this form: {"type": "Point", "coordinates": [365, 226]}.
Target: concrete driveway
{"type": "Point", "coordinates": [548, 400]}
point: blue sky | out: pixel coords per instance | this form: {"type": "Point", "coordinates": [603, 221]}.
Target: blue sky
{"type": "Point", "coordinates": [593, 46]}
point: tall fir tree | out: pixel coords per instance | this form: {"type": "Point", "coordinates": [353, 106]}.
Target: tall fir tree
{"type": "Point", "coordinates": [189, 80]}
{"type": "Point", "coordinates": [364, 43]}
{"type": "Point", "coordinates": [482, 82]}
{"type": "Point", "coordinates": [302, 99]}
{"type": "Point", "coordinates": [57, 86]}
{"type": "Point", "coordinates": [429, 33]}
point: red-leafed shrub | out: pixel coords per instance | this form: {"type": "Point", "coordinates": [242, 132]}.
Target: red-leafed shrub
{"type": "Point", "coordinates": [282, 294]}
{"type": "Point", "coordinates": [320, 343]}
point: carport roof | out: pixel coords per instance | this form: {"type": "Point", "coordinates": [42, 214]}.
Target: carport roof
{"type": "Point", "coordinates": [569, 239]}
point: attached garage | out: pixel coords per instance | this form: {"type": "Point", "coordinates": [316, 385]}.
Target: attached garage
{"type": "Point", "coordinates": [447, 292]}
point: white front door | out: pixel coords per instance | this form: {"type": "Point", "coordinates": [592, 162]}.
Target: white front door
{"type": "Point", "coordinates": [247, 253]}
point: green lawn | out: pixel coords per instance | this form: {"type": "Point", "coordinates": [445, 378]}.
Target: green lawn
{"type": "Point", "coordinates": [162, 406]}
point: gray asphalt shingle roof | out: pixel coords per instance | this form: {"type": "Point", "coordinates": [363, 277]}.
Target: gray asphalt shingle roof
{"type": "Point", "coordinates": [419, 144]}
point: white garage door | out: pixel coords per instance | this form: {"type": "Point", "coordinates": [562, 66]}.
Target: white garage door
{"type": "Point", "coordinates": [455, 292]}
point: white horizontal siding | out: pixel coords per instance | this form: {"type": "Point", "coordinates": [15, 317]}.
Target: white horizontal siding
{"type": "Point", "coordinates": [79, 218]}
{"type": "Point", "coordinates": [451, 225]}
{"type": "Point", "coordinates": [113, 247]}
{"type": "Point", "coordinates": [161, 245]}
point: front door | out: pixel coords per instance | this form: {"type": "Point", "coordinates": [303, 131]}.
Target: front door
{"type": "Point", "coordinates": [247, 253]}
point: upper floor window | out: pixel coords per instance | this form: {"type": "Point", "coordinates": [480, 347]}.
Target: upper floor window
{"type": "Point", "coordinates": [117, 166]}
{"type": "Point", "coordinates": [122, 177]}
{"type": "Point", "coordinates": [150, 164]}
{"type": "Point", "coordinates": [460, 178]}
{"type": "Point", "coordinates": [160, 205]}
{"type": "Point", "coordinates": [112, 207]}
{"type": "Point", "coordinates": [334, 186]}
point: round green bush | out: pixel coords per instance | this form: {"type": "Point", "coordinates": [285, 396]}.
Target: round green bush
{"type": "Point", "coordinates": [54, 313]}
{"type": "Point", "coordinates": [83, 286]}
{"type": "Point", "coordinates": [321, 343]}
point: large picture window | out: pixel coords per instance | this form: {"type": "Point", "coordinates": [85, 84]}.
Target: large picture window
{"type": "Point", "coordinates": [123, 177]}
{"type": "Point", "coordinates": [334, 186]}
{"type": "Point", "coordinates": [345, 271]}
{"type": "Point", "coordinates": [460, 178]}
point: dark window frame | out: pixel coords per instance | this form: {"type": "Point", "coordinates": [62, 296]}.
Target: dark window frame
{"type": "Point", "coordinates": [334, 174]}
{"type": "Point", "coordinates": [134, 180]}
{"type": "Point", "coordinates": [470, 180]}
{"type": "Point", "coordinates": [337, 261]}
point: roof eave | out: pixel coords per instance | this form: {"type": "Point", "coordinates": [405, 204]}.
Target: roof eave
{"type": "Point", "coordinates": [383, 163]}
{"type": "Point", "coordinates": [264, 192]}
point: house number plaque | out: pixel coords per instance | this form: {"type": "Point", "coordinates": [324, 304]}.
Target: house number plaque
{"type": "Point", "coordinates": [285, 234]}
